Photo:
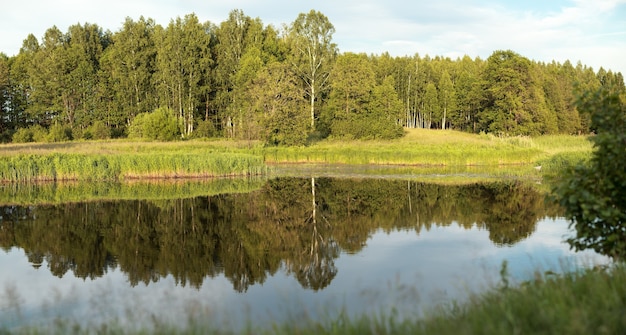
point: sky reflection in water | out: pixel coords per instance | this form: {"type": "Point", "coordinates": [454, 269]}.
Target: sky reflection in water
{"type": "Point", "coordinates": [397, 268]}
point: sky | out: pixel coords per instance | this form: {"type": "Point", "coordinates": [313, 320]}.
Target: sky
{"type": "Point", "coordinates": [590, 31]}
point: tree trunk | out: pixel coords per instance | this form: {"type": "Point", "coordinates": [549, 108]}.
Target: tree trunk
{"type": "Point", "coordinates": [312, 104]}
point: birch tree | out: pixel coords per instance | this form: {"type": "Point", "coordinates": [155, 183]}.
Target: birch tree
{"type": "Point", "coordinates": [313, 54]}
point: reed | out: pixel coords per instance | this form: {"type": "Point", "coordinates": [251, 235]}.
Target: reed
{"type": "Point", "coordinates": [62, 166]}
{"type": "Point", "coordinates": [124, 159]}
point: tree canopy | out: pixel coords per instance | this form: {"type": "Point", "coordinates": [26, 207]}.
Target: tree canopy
{"type": "Point", "coordinates": [243, 79]}
{"type": "Point", "coordinates": [594, 193]}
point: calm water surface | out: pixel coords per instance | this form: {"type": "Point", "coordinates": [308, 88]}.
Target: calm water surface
{"type": "Point", "coordinates": [288, 248]}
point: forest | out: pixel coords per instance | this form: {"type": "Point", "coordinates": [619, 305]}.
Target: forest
{"type": "Point", "coordinates": [290, 85]}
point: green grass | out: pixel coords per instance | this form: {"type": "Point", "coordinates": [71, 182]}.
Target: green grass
{"type": "Point", "coordinates": [125, 159]}
{"type": "Point", "coordinates": [591, 301]}
{"type": "Point", "coordinates": [432, 148]}
{"type": "Point", "coordinates": [61, 166]}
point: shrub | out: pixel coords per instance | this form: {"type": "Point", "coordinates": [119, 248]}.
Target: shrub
{"type": "Point", "coordinates": [23, 135]}
{"type": "Point", "coordinates": [35, 133]}
{"type": "Point", "coordinates": [159, 125]}
{"type": "Point", "coordinates": [59, 133]}
{"type": "Point", "coordinates": [204, 128]}
{"type": "Point", "coordinates": [40, 134]}
{"type": "Point", "coordinates": [594, 194]}
{"type": "Point", "coordinates": [99, 131]}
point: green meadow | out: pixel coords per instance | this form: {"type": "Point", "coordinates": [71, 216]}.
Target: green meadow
{"type": "Point", "coordinates": [116, 160]}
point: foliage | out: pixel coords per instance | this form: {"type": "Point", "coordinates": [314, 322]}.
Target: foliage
{"type": "Point", "coordinates": [357, 107]}
{"type": "Point", "coordinates": [59, 133]}
{"type": "Point", "coordinates": [206, 71]}
{"type": "Point", "coordinates": [23, 135]}
{"type": "Point", "coordinates": [159, 125]}
{"type": "Point", "coordinates": [313, 53]}
{"type": "Point", "coordinates": [204, 129]}
{"type": "Point", "coordinates": [594, 194]}
{"type": "Point", "coordinates": [97, 131]}
{"type": "Point", "coordinates": [276, 100]}
{"type": "Point", "coordinates": [306, 241]}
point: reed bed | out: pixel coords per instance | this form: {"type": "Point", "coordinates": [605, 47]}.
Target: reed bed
{"type": "Point", "coordinates": [124, 159]}
{"type": "Point", "coordinates": [61, 166]}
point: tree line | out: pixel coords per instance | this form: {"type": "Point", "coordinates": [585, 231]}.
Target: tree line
{"type": "Point", "coordinates": [286, 85]}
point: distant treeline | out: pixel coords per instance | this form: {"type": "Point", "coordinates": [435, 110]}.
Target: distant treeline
{"type": "Point", "coordinates": [242, 79]}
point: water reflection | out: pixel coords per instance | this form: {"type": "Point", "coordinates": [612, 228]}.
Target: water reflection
{"type": "Point", "coordinates": [295, 225]}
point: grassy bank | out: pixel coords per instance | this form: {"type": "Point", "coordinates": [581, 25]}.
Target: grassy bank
{"type": "Point", "coordinates": [585, 302]}
{"type": "Point", "coordinates": [433, 148]}
{"type": "Point", "coordinates": [58, 166]}
{"type": "Point", "coordinates": [122, 159]}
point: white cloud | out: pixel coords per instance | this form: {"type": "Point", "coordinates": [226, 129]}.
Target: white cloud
{"type": "Point", "coordinates": [591, 31]}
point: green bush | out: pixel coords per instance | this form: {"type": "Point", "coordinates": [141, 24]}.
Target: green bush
{"type": "Point", "coordinates": [35, 133]}
{"type": "Point", "coordinates": [366, 126]}
{"type": "Point", "coordinates": [99, 131]}
{"type": "Point", "coordinates": [23, 135]}
{"type": "Point", "coordinates": [594, 194]}
{"type": "Point", "coordinates": [158, 125]}
{"type": "Point", "coordinates": [59, 133]}
{"type": "Point", "coordinates": [40, 134]}
{"type": "Point", "coordinates": [204, 129]}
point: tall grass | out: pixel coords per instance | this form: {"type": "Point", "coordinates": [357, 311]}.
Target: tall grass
{"type": "Point", "coordinates": [123, 159]}
{"type": "Point", "coordinates": [432, 148]}
{"type": "Point", "coordinates": [69, 166]}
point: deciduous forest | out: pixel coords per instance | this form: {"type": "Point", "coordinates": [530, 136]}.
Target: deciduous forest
{"type": "Point", "coordinates": [288, 85]}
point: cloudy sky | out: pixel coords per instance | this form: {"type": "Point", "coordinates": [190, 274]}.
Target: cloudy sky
{"type": "Point", "coordinates": [590, 31]}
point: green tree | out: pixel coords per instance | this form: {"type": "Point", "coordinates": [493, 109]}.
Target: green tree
{"type": "Point", "coordinates": [46, 73]}
{"type": "Point", "coordinates": [447, 98]}
{"type": "Point", "coordinates": [386, 110]}
{"type": "Point", "coordinates": [430, 105]}
{"type": "Point", "coordinates": [83, 48]}
{"type": "Point", "coordinates": [21, 84]}
{"type": "Point", "coordinates": [129, 66]}
{"type": "Point", "coordinates": [5, 96]}
{"type": "Point", "coordinates": [353, 81]}
{"type": "Point", "coordinates": [234, 37]}
{"type": "Point", "coordinates": [468, 93]}
{"type": "Point", "coordinates": [183, 59]}
{"type": "Point", "coordinates": [313, 53]}
{"type": "Point", "coordinates": [559, 94]}
{"type": "Point", "coordinates": [277, 103]}
{"type": "Point", "coordinates": [247, 123]}
{"type": "Point", "coordinates": [594, 193]}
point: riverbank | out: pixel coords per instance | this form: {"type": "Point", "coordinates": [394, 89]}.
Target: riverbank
{"type": "Point", "coordinates": [124, 160]}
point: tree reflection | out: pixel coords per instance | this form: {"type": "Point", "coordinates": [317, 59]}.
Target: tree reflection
{"type": "Point", "coordinates": [294, 224]}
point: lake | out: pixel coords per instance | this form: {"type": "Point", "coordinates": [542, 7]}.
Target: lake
{"type": "Point", "coordinates": [237, 252]}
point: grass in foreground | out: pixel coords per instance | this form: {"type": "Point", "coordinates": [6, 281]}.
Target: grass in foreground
{"type": "Point", "coordinates": [587, 302]}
